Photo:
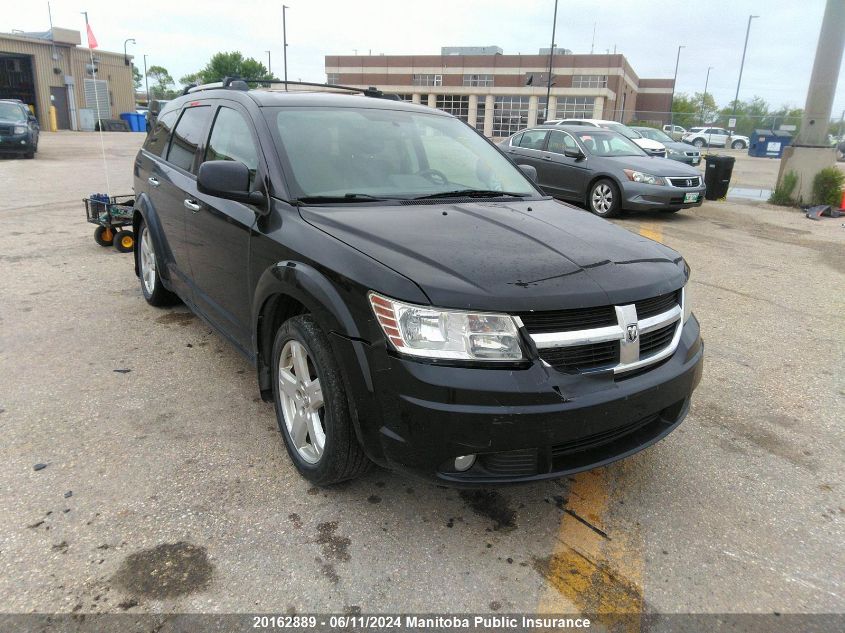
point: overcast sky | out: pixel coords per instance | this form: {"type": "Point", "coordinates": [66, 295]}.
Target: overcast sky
{"type": "Point", "coordinates": [181, 35]}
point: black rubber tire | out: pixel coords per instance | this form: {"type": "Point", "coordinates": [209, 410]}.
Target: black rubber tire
{"type": "Point", "coordinates": [120, 241]}
{"type": "Point", "coordinates": [161, 296]}
{"type": "Point", "coordinates": [29, 154]}
{"type": "Point", "coordinates": [104, 235]}
{"type": "Point", "coordinates": [616, 199]}
{"type": "Point", "coordinates": [343, 457]}
{"type": "Point", "coordinates": [737, 145]}
{"type": "Point", "coordinates": [699, 143]}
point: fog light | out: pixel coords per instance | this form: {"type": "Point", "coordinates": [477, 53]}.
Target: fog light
{"type": "Point", "coordinates": [464, 462]}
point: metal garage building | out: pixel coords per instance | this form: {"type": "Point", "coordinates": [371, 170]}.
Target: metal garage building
{"type": "Point", "coordinates": [51, 68]}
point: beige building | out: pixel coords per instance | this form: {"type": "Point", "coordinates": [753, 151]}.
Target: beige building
{"type": "Point", "coordinates": [52, 68]}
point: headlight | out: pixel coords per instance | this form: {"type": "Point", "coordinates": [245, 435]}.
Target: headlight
{"type": "Point", "coordinates": [20, 129]}
{"type": "Point", "coordinates": [687, 298]}
{"type": "Point", "coordinates": [639, 176]}
{"type": "Point", "coordinates": [448, 334]}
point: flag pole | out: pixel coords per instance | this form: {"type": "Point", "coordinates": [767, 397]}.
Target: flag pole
{"type": "Point", "coordinates": [97, 103]}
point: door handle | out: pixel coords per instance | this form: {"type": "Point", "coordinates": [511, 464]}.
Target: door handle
{"type": "Point", "coordinates": [153, 181]}
{"type": "Point", "coordinates": [547, 157]}
{"type": "Point", "coordinates": [192, 205]}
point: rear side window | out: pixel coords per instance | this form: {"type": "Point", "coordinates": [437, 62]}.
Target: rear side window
{"type": "Point", "coordinates": [533, 139]}
{"type": "Point", "coordinates": [156, 142]}
{"type": "Point", "coordinates": [231, 139]}
{"type": "Point", "coordinates": [187, 136]}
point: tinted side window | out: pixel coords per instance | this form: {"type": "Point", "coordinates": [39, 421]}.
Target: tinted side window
{"type": "Point", "coordinates": [561, 141]}
{"type": "Point", "coordinates": [156, 142]}
{"type": "Point", "coordinates": [516, 139]}
{"type": "Point", "coordinates": [187, 136]}
{"type": "Point", "coordinates": [231, 139]}
{"type": "Point", "coordinates": [533, 139]}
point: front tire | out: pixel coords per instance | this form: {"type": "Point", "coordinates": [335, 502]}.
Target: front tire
{"type": "Point", "coordinates": [738, 145]}
{"type": "Point", "coordinates": [699, 143]}
{"type": "Point", "coordinates": [148, 268]}
{"type": "Point", "coordinates": [604, 199]}
{"type": "Point", "coordinates": [312, 408]}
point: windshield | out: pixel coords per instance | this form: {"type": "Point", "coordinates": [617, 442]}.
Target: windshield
{"type": "Point", "coordinates": [656, 135]}
{"type": "Point", "coordinates": [11, 112]}
{"type": "Point", "coordinates": [624, 130]}
{"type": "Point", "coordinates": [607, 143]}
{"type": "Point", "coordinates": [335, 152]}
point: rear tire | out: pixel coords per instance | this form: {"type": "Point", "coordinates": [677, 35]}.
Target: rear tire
{"type": "Point", "coordinates": [124, 241]}
{"type": "Point", "coordinates": [699, 143]}
{"type": "Point", "coordinates": [312, 408]}
{"type": "Point", "coordinates": [737, 145]}
{"type": "Point", "coordinates": [604, 199]}
{"type": "Point", "coordinates": [148, 269]}
{"type": "Point", "coordinates": [104, 235]}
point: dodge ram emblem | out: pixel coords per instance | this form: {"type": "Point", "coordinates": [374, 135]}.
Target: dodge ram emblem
{"type": "Point", "coordinates": [633, 332]}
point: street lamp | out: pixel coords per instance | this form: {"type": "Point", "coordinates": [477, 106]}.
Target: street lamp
{"type": "Point", "coordinates": [742, 63]}
{"type": "Point", "coordinates": [146, 80]}
{"type": "Point", "coordinates": [674, 81]}
{"type": "Point", "coordinates": [704, 96]}
{"type": "Point", "coordinates": [285, 42]}
{"type": "Point", "coordinates": [551, 59]}
{"type": "Point", "coordinates": [125, 55]}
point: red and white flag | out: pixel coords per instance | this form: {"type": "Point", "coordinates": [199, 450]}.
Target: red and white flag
{"type": "Point", "coordinates": [92, 41]}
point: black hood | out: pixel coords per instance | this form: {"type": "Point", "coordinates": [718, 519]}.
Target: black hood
{"type": "Point", "coordinates": [511, 257]}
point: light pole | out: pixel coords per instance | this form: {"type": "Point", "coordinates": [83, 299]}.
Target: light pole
{"type": "Point", "coordinates": [285, 43]}
{"type": "Point", "coordinates": [674, 81]}
{"type": "Point", "coordinates": [742, 64]}
{"type": "Point", "coordinates": [146, 80]}
{"type": "Point", "coordinates": [704, 96]}
{"type": "Point", "coordinates": [551, 59]}
{"type": "Point", "coordinates": [269, 64]}
{"type": "Point", "coordinates": [125, 55]}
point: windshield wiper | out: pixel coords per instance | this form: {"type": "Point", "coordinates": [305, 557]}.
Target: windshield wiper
{"type": "Point", "coordinates": [347, 197]}
{"type": "Point", "coordinates": [473, 193]}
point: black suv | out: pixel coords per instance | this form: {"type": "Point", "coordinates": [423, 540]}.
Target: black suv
{"type": "Point", "coordinates": [18, 129]}
{"type": "Point", "coordinates": [407, 295]}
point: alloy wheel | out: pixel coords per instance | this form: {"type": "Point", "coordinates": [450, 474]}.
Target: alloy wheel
{"type": "Point", "coordinates": [301, 397]}
{"type": "Point", "coordinates": [602, 199]}
{"type": "Point", "coordinates": [148, 262]}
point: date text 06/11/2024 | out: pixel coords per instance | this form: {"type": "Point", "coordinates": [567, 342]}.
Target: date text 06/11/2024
{"type": "Point", "coordinates": [419, 622]}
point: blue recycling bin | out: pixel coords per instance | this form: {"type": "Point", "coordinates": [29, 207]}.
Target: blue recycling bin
{"type": "Point", "coordinates": [137, 122]}
{"type": "Point", "coordinates": [768, 143]}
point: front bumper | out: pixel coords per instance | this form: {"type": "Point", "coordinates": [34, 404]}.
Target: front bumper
{"type": "Point", "coordinates": [639, 196]}
{"type": "Point", "coordinates": [526, 423]}
{"type": "Point", "coordinates": [10, 143]}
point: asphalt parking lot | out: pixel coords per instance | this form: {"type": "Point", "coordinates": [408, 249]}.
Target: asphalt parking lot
{"type": "Point", "coordinates": [160, 455]}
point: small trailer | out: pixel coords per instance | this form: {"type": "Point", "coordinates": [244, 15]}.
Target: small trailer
{"type": "Point", "coordinates": [111, 214]}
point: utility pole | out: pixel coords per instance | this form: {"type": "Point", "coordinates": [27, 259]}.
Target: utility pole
{"type": "Point", "coordinates": [269, 64]}
{"type": "Point", "coordinates": [285, 43]}
{"type": "Point", "coordinates": [742, 64]}
{"type": "Point", "coordinates": [593, 43]}
{"type": "Point", "coordinates": [146, 80]}
{"type": "Point", "coordinates": [704, 96]}
{"type": "Point", "coordinates": [674, 81]}
{"type": "Point", "coordinates": [551, 59]}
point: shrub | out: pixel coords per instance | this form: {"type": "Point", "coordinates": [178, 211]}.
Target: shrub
{"type": "Point", "coordinates": [827, 186]}
{"type": "Point", "coordinates": [782, 195]}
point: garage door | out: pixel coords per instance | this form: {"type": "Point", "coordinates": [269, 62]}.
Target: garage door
{"type": "Point", "coordinates": [97, 93]}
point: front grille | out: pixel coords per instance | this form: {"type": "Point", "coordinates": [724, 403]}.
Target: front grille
{"type": "Point", "coordinates": [657, 305]}
{"type": "Point", "coordinates": [692, 181]}
{"type": "Point", "coordinates": [603, 437]}
{"type": "Point", "coordinates": [654, 341]}
{"type": "Point", "coordinates": [693, 154]}
{"type": "Point", "coordinates": [569, 320]}
{"type": "Point", "coordinates": [5, 129]}
{"type": "Point", "coordinates": [512, 463]}
{"type": "Point", "coordinates": [582, 357]}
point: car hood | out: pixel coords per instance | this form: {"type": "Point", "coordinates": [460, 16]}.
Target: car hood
{"type": "Point", "coordinates": [647, 143]}
{"type": "Point", "coordinates": [509, 257]}
{"type": "Point", "coordinates": [681, 147]}
{"type": "Point", "coordinates": [654, 165]}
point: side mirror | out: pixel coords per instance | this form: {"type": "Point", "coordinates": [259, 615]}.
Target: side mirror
{"type": "Point", "coordinates": [573, 153]}
{"type": "Point", "coordinates": [530, 171]}
{"type": "Point", "coordinates": [228, 179]}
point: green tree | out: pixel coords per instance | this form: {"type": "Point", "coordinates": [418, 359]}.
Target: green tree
{"type": "Point", "coordinates": [191, 78]}
{"type": "Point", "coordinates": [161, 88]}
{"type": "Point", "coordinates": [707, 108]}
{"type": "Point", "coordinates": [685, 110]}
{"type": "Point", "coordinates": [137, 78]}
{"type": "Point", "coordinates": [750, 115]}
{"type": "Point", "coordinates": [232, 64]}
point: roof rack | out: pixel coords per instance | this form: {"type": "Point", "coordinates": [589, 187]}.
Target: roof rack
{"type": "Point", "coordinates": [243, 83]}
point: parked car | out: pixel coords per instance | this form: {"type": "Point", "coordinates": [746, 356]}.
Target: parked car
{"type": "Point", "coordinates": [652, 148]}
{"type": "Point", "coordinates": [714, 137]}
{"type": "Point", "coordinates": [683, 152]}
{"type": "Point", "coordinates": [407, 295]}
{"type": "Point", "coordinates": [604, 170]}
{"type": "Point", "coordinates": [675, 131]}
{"type": "Point", "coordinates": [19, 129]}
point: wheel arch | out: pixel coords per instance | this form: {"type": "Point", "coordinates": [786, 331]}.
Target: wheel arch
{"type": "Point", "coordinates": [595, 179]}
{"type": "Point", "coordinates": [145, 211]}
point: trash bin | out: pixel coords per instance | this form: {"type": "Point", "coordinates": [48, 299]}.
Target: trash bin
{"type": "Point", "coordinates": [769, 143]}
{"type": "Point", "coordinates": [717, 176]}
{"type": "Point", "coordinates": [137, 122]}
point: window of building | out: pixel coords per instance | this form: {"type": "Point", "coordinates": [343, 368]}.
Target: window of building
{"type": "Point", "coordinates": [479, 116]}
{"type": "Point", "coordinates": [589, 81]}
{"type": "Point", "coordinates": [478, 80]}
{"type": "Point", "coordinates": [457, 105]}
{"type": "Point", "coordinates": [574, 107]}
{"type": "Point", "coordinates": [231, 139]}
{"type": "Point", "coordinates": [156, 142]}
{"type": "Point", "coordinates": [333, 78]}
{"type": "Point", "coordinates": [187, 136]}
{"type": "Point", "coordinates": [426, 80]}
{"type": "Point", "coordinates": [404, 97]}
{"type": "Point", "coordinates": [97, 97]}
{"type": "Point", "coordinates": [510, 114]}
{"type": "Point", "coordinates": [542, 112]}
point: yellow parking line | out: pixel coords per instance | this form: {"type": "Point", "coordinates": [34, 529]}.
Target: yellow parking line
{"type": "Point", "coordinates": [652, 231]}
